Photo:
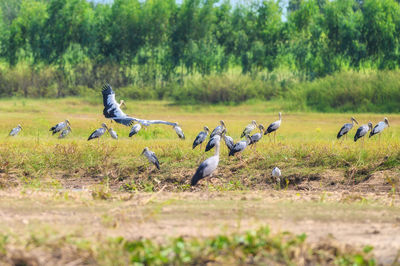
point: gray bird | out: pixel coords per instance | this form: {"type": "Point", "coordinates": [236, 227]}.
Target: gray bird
{"type": "Point", "coordinates": [98, 132]}
{"type": "Point", "coordinates": [276, 173]}
{"type": "Point", "coordinates": [346, 128]}
{"type": "Point", "coordinates": [207, 167]}
{"type": "Point", "coordinates": [362, 131]}
{"type": "Point", "coordinates": [379, 127]}
{"type": "Point", "coordinates": [112, 133]}
{"type": "Point", "coordinates": [256, 137]}
{"type": "Point", "coordinates": [135, 129]}
{"type": "Point", "coordinates": [65, 132]}
{"type": "Point", "coordinates": [60, 126]}
{"type": "Point", "coordinates": [151, 156]}
{"type": "Point", "coordinates": [201, 137]}
{"type": "Point", "coordinates": [218, 129]}
{"type": "Point", "coordinates": [240, 146]}
{"type": "Point", "coordinates": [228, 141]}
{"type": "Point", "coordinates": [249, 128]}
{"type": "Point", "coordinates": [179, 131]}
{"type": "Point", "coordinates": [15, 131]}
{"type": "Point", "coordinates": [214, 140]}
{"type": "Point", "coordinates": [273, 127]}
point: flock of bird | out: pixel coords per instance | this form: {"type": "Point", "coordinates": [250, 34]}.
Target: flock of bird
{"type": "Point", "coordinates": [112, 110]}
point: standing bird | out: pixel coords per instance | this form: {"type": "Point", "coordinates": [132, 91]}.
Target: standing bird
{"type": "Point", "coordinates": [346, 128]}
{"type": "Point", "coordinates": [135, 129]}
{"type": "Point", "coordinates": [228, 141]}
{"type": "Point", "coordinates": [15, 131]}
{"type": "Point", "coordinates": [249, 128]}
{"type": "Point", "coordinates": [240, 146]}
{"type": "Point", "coordinates": [256, 137]}
{"type": "Point", "coordinates": [112, 133]}
{"type": "Point", "coordinates": [273, 127]}
{"type": "Point", "coordinates": [179, 131]}
{"type": "Point", "coordinates": [65, 132]}
{"type": "Point", "coordinates": [379, 127]}
{"type": "Point", "coordinates": [60, 126]}
{"type": "Point", "coordinates": [207, 167]}
{"type": "Point", "coordinates": [276, 173]}
{"type": "Point", "coordinates": [151, 156]}
{"type": "Point", "coordinates": [214, 140]}
{"type": "Point", "coordinates": [98, 132]}
{"type": "Point", "coordinates": [218, 129]}
{"type": "Point", "coordinates": [362, 131]}
{"type": "Point", "coordinates": [201, 137]}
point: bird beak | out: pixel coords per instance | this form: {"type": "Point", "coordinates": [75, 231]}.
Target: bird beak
{"type": "Point", "coordinates": [123, 103]}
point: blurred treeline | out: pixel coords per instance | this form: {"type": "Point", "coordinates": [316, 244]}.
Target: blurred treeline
{"type": "Point", "coordinates": [326, 54]}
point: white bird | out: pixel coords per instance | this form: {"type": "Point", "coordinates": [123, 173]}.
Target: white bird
{"type": "Point", "coordinates": [112, 133]}
{"type": "Point", "coordinates": [249, 128]}
{"type": "Point", "coordinates": [273, 127]}
{"type": "Point", "coordinates": [15, 130]}
{"type": "Point", "coordinates": [135, 129]}
{"type": "Point", "coordinates": [201, 137]}
{"type": "Point", "coordinates": [60, 126]}
{"type": "Point", "coordinates": [207, 167]}
{"type": "Point", "coordinates": [240, 146]}
{"type": "Point", "coordinates": [98, 132]}
{"type": "Point", "coordinates": [151, 156]}
{"type": "Point", "coordinates": [276, 173]}
{"type": "Point", "coordinates": [379, 127]}
{"type": "Point", "coordinates": [362, 131]}
{"type": "Point", "coordinates": [218, 129]}
{"type": "Point", "coordinates": [346, 128]}
{"type": "Point", "coordinates": [179, 131]}
{"type": "Point", "coordinates": [65, 132]}
{"type": "Point", "coordinates": [256, 137]}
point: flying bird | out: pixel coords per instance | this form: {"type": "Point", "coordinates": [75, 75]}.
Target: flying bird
{"type": "Point", "coordinates": [15, 131]}
{"type": "Point", "coordinates": [240, 146]}
{"type": "Point", "coordinates": [362, 131]}
{"type": "Point", "coordinates": [273, 127]}
{"type": "Point", "coordinates": [249, 128]}
{"type": "Point", "coordinates": [346, 128]}
{"type": "Point", "coordinates": [151, 156]}
{"type": "Point", "coordinates": [135, 129]}
{"type": "Point", "coordinates": [98, 132]}
{"type": "Point", "coordinates": [60, 126]}
{"type": "Point", "coordinates": [179, 131]}
{"type": "Point", "coordinates": [207, 167]}
{"type": "Point", "coordinates": [201, 137]}
{"type": "Point", "coordinates": [65, 132]}
{"type": "Point", "coordinates": [256, 137]}
{"type": "Point", "coordinates": [379, 127]}
{"type": "Point", "coordinates": [218, 129]}
{"type": "Point", "coordinates": [112, 133]}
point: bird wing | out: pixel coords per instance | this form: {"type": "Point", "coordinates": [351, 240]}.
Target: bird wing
{"type": "Point", "coordinates": [379, 127]}
{"type": "Point", "coordinates": [97, 133]}
{"type": "Point", "coordinates": [345, 128]}
{"type": "Point", "coordinates": [215, 131]}
{"type": "Point", "coordinates": [273, 126]}
{"type": "Point", "coordinates": [205, 169]}
{"type": "Point", "coordinates": [229, 142]}
{"type": "Point", "coordinates": [199, 139]}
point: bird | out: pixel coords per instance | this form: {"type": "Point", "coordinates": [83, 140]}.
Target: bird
{"type": "Point", "coordinates": [60, 126]}
{"type": "Point", "coordinates": [112, 133]}
{"type": "Point", "coordinates": [201, 137]}
{"type": "Point", "coordinates": [135, 129]}
{"type": "Point", "coordinates": [276, 173]}
{"type": "Point", "coordinates": [98, 132]}
{"type": "Point", "coordinates": [362, 131]}
{"type": "Point", "coordinates": [15, 131]}
{"type": "Point", "coordinates": [256, 137]}
{"type": "Point", "coordinates": [379, 127]}
{"type": "Point", "coordinates": [228, 141]}
{"type": "Point", "coordinates": [151, 156]}
{"type": "Point", "coordinates": [250, 127]}
{"type": "Point", "coordinates": [346, 128]}
{"type": "Point", "coordinates": [218, 129]}
{"type": "Point", "coordinates": [65, 132]}
{"type": "Point", "coordinates": [179, 131]}
{"type": "Point", "coordinates": [207, 167]}
{"type": "Point", "coordinates": [214, 140]}
{"type": "Point", "coordinates": [240, 146]}
{"type": "Point", "coordinates": [273, 127]}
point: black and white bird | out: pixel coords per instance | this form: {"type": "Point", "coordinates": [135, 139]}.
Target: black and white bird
{"type": "Point", "coordinates": [201, 137]}
{"type": "Point", "coordinates": [379, 127]}
{"type": "Point", "coordinates": [240, 146]}
{"type": "Point", "coordinates": [273, 127]}
{"type": "Point", "coordinates": [98, 132]}
{"type": "Point", "coordinates": [346, 128]}
{"type": "Point", "coordinates": [228, 141]}
{"type": "Point", "coordinates": [112, 133]}
{"type": "Point", "coordinates": [135, 129]}
{"type": "Point", "coordinates": [65, 132]}
{"type": "Point", "coordinates": [257, 136]}
{"type": "Point", "coordinates": [218, 129]}
{"type": "Point", "coordinates": [276, 173]}
{"type": "Point", "coordinates": [207, 167]}
{"type": "Point", "coordinates": [362, 131]}
{"type": "Point", "coordinates": [214, 140]}
{"type": "Point", "coordinates": [250, 127]}
{"type": "Point", "coordinates": [15, 131]}
{"type": "Point", "coordinates": [151, 156]}
{"type": "Point", "coordinates": [179, 131]}
{"type": "Point", "coordinates": [60, 126]}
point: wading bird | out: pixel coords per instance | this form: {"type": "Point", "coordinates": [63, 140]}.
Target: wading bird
{"type": "Point", "coordinates": [276, 173]}
{"type": "Point", "coordinates": [112, 133]}
{"type": "Point", "coordinates": [207, 167]}
{"type": "Point", "coordinates": [60, 126]}
{"type": "Point", "coordinates": [256, 137]}
{"type": "Point", "coordinates": [249, 128]}
{"type": "Point", "coordinates": [98, 132]}
{"type": "Point", "coordinates": [65, 132]}
{"type": "Point", "coordinates": [273, 127]}
{"type": "Point", "coordinates": [179, 131]}
{"type": "Point", "coordinates": [214, 140]}
{"type": "Point", "coordinates": [379, 127]}
{"type": "Point", "coordinates": [151, 156]}
{"type": "Point", "coordinates": [228, 141]}
{"type": "Point", "coordinates": [346, 128]}
{"type": "Point", "coordinates": [15, 130]}
{"type": "Point", "coordinates": [362, 131]}
{"type": "Point", "coordinates": [218, 129]}
{"type": "Point", "coordinates": [135, 129]}
{"type": "Point", "coordinates": [240, 146]}
{"type": "Point", "coordinates": [201, 137]}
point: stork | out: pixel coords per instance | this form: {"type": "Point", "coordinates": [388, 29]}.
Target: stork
{"type": "Point", "coordinates": [112, 133]}
{"type": "Point", "coordinates": [98, 132]}
{"type": "Point", "coordinates": [228, 141]}
{"type": "Point", "coordinates": [273, 127]}
{"type": "Point", "coordinates": [362, 131]}
{"type": "Point", "coordinates": [135, 129]}
{"type": "Point", "coordinates": [256, 137]}
{"type": "Point", "coordinates": [15, 131]}
{"type": "Point", "coordinates": [346, 128]}
{"type": "Point", "coordinates": [379, 127]}
{"type": "Point", "coordinates": [276, 173]}
{"type": "Point", "coordinates": [218, 129]}
{"type": "Point", "coordinates": [207, 167]}
{"type": "Point", "coordinates": [250, 127]}
{"type": "Point", "coordinates": [179, 131]}
{"type": "Point", "coordinates": [151, 156]}
{"type": "Point", "coordinates": [201, 137]}
{"type": "Point", "coordinates": [60, 126]}
{"type": "Point", "coordinates": [240, 146]}
{"type": "Point", "coordinates": [65, 132]}
{"type": "Point", "coordinates": [214, 140]}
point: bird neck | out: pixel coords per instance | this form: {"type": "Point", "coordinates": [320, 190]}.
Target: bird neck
{"type": "Point", "coordinates": [216, 149]}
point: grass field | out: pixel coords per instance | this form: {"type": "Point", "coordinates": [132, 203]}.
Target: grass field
{"type": "Point", "coordinates": [343, 195]}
